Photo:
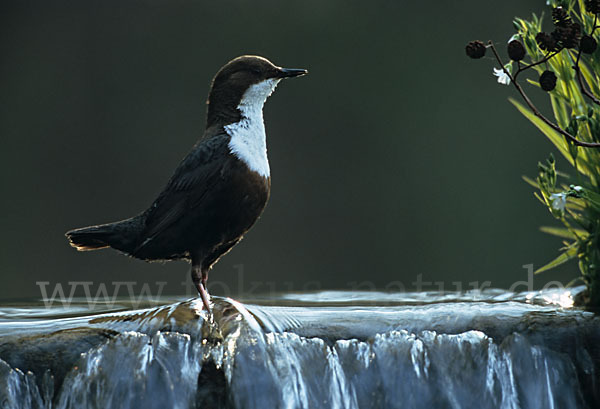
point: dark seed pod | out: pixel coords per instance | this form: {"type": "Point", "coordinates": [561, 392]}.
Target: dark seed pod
{"type": "Point", "coordinates": [475, 49]}
{"type": "Point", "coordinates": [516, 51]}
{"type": "Point", "coordinates": [546, 42]}
{"type": "Point", "coordinates": [567, 37]}
{"type": "Point", "coordinates": [592, 6]}
{"type": "Point", "coordinates": [548, 81]}
{"type": "Point", "coordinates": [587, 44]}
{"type": "Point", "coordinates": [560, 17]}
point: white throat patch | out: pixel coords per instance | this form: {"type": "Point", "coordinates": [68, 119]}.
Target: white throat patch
{"type": "Point", "coordinates": [248, 139]}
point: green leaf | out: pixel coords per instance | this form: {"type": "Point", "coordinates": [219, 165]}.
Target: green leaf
{"type": "Point", "coordinates": [593, 199]}
{"type": "Point", "coordinates": [556, 138]}
{"type": "Point", "coordinates": [590, 78]}
{"type": "Point", "coordinates": [567, 255]}
{"type": "Point", "coordinates": [530, 181]}
{"type": "Point", "coordinates": [515, 36]}
{"type": "Point", "coordinates": [571, 234]}
{"type": "Point", "coordinates": [541, 199]}
{"type": "Point", "coordinates": [573, 126]}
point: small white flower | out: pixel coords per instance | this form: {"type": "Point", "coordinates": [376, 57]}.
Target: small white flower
{"type": "Point", "coordinates": [559, 201]}
{"type": "Point", "coordinates": [577, 188]}
{"type": "Point", "coordinates": [503, 77]}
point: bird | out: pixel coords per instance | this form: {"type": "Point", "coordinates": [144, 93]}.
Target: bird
{"type": "Point", "coordinates": [219, 189]}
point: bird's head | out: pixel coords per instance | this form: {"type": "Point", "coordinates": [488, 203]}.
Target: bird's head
{"type": "Point", "coordinates": [245, 81]}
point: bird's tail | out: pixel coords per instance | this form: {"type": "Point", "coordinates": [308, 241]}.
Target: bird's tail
{"type": "Point", "coordinates": [91, 238]}
{"type": "Point", "coordinates": [121, 235]}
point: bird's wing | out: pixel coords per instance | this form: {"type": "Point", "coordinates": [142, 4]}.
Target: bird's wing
{"type": "Point", "coordinates": [196, 174]}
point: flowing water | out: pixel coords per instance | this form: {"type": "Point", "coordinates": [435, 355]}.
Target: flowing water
{"type": "Point", "coordinates": [489, 349]}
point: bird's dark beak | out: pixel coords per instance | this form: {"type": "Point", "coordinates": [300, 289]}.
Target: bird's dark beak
{"type": "Point", "coordinates": [290, 72]}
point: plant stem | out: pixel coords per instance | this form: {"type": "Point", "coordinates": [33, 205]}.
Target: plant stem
{"type": "Point", "coordinates": [582, 86]}
{"type": "Point", "coordinates": [535, 110]}
{"type": "Point", "coordinates": [543, 60]}
{"type": "Point", "coordinates": [584, 89]}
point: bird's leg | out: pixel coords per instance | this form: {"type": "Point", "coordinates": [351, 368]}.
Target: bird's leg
{"type": "Point", "coordinates": [205, 295]}
{"type": "Point", "coordinates": [204, 279]}
{"type": "Point", "coordinates": [199, 278]}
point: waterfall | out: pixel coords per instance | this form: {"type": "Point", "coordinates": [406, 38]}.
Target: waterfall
{"type": "Point", "coordinates": [444, 353]}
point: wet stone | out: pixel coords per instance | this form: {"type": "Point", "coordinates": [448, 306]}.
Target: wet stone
{"type": "Point", "coordinates": [212, 390]}
{"type": "Point", "coordinates": [55, 353]}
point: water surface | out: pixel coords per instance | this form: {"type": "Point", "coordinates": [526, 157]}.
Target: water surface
{"type": "Point", "coordinates": [490, 349]}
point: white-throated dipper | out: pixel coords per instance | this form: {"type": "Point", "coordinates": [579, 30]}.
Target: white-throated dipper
{"type": "Point", "coordinates": [218, 190]}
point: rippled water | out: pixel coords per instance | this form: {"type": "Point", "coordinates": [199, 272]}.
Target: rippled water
{"type": "Point", "coordinates": [488, 349]}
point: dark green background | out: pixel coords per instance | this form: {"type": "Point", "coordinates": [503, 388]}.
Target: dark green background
{"type": "Point", "coordinates": [396, 156]}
